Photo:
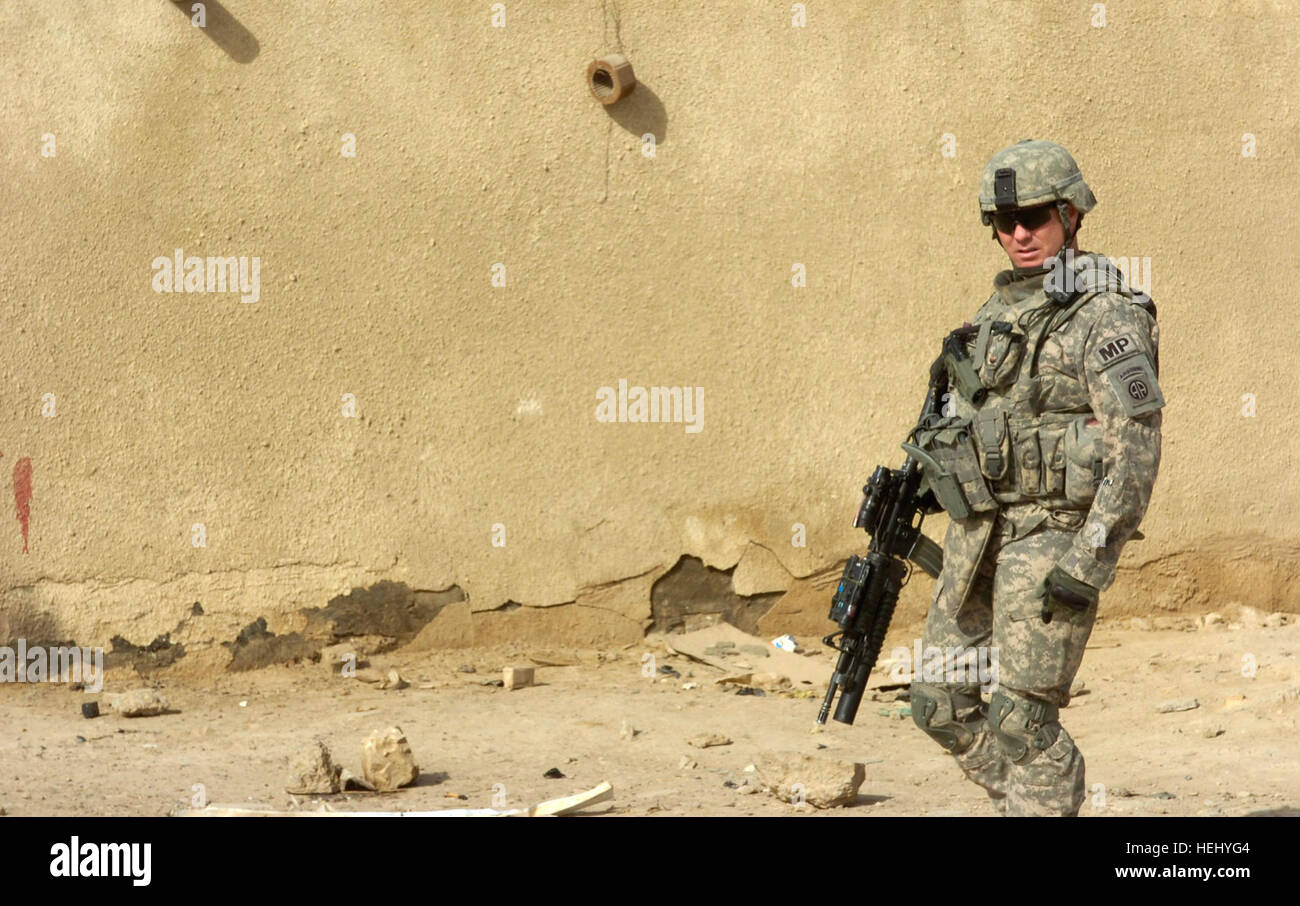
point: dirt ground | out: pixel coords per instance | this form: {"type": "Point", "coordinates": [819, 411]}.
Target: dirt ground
{"type": "Point", "coordinates": [1237, 753]}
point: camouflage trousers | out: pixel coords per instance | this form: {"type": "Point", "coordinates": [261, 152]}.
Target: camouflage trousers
{"type": "Point", "coordinates": [1022, 757]}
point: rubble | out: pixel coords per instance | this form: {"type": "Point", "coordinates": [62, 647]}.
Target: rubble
{"type": "Point", "coordinates": [822, 783]}
{"type": "Point", "coordinates": [314, 772]}
{"type": "Point", "coordinates": [387, 761]}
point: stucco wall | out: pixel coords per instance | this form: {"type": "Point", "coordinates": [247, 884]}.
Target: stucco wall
{"type": "Point", "coordinates": [776, 146]}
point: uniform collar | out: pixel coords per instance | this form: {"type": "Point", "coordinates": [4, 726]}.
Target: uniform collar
{"type": "Point", "coordinates": [1012, 288]}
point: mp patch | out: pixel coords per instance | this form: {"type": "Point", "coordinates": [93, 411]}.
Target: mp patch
{"type": "Point", "coordinates": [1131, 375]}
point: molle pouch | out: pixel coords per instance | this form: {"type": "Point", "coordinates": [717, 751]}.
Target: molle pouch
{"type": "Point", "coordinates": [991, 440]}
{"type": "Point", "coordinates": [1028, 459]}
{"type": "Point", "coordinates": [946, 451]}
{"type": "Point", "coordinates": [1084, 458]}
{"type": "Point", "coordinates": [1051, 444]}
{"type": "Point", "coordinates": [998, 350]}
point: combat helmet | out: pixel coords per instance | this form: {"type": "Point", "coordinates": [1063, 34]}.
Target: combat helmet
{"type": "Point", "coordinates": [1033, 172]}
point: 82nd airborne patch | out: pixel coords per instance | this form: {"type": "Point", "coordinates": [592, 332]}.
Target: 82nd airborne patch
{"type": "Point", "coordinates": [1132, 378]}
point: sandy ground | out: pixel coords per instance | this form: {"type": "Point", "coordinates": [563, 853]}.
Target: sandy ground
{"type": "Point", "coordinates": [236, 733]}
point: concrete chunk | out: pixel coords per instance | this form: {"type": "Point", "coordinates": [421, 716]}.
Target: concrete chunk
{"type": "Point", "coordinates": [517, 677]}
{"type": "Point", "coordinates": [386, 760]}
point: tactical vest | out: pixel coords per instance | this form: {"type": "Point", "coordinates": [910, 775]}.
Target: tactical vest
{"type": "Point", "coordinates": [1015, 434]}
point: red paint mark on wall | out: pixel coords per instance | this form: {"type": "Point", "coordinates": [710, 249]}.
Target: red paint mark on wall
{"type": "Point", "coordinates": [23, 494]}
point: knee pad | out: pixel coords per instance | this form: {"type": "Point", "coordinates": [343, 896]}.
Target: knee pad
{"type": "Point", "coordinates": [934, 710]}
{"type": "Point", "coordinates": [1022, 726]}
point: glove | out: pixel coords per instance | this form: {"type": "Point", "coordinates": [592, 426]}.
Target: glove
{"type": "Point", "coordinates": [1062, 589]}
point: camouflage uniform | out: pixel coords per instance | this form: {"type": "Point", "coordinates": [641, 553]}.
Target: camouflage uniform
{"type": "Point", "coordinates": [1066, 447]}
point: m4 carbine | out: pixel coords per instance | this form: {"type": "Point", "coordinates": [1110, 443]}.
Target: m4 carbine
{"type": "Point", "coordinates": [892, 511]}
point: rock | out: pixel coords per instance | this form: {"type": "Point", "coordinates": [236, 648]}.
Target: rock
{"type": "Point", "coordinates": [756, 650]}
{"type": "Point", "coordinates": [1182, 704]}
{"type": "Point", "coordinates": [344, 654]}
{"type": "Point", "coordinates": [466, 668]}
{"type": "Point", "coordinates": [690, 685]}
{"type": "Point", "coordinates": [747, 788]}
{"type": "Point", "coordinates": [90, 709]}
{"type": "Point", "coordinates": [553, 774]}
{"type": "Point", "coordinates": [770, 681]}
{"type": "Point", "coordinates": [393, 680]}
{"type": "Point", "coordinates": [1140, 623]}
{"type": "Point", "coordinates": [386, 760]}
{"type": "Point", "coordinates": [1078, 688]}
{"type": "Point", "coordinates": [1234, 703]}
{"type": "Point", "coordinates": [368, 675]}
{"type": "Point", "coordinates": [350, 781]}
{"type": "Point", "coordinates": [820, 782]}
{"type": "Point", "coordinates": [706, 740]}
{"type": "Point", "coordinates": [627, 731]}
{"type": "Point", "coordinates": [1212, 731]}
{"type": "Point", "coordinates": [666, 670]}
{"type": "Point", "coordinates": [517, 677]}
{"type": "Point", "coordinates": [687, 763]}
{"type": "Point", "coordinates": [313, 772]}
{"type": "Point", "coordinates": [1212, 621]}
{"type": "Point", "coordinates": [139, 703]}
{"type": "Point", "coordinates": [1248, 617]}
{"type": "Point", "coordinates": [749, 690]}
{"type": "Point", "coordinates": [1274, 620]}
{"type": "Point", "coordinates": [1165, 795]}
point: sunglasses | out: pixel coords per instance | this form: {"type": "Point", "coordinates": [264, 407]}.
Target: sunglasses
{"type": "Point", "coordinates": [1029, 218]}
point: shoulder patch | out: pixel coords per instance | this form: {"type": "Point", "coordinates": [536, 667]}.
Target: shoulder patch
{"type": "Point", "coordinates": [1130, 374]}
{"type": "Point", "coordinates": [1122, 347]}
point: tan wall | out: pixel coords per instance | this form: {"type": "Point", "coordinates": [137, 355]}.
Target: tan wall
{"type": "Point", "coordinates": [477, 145]}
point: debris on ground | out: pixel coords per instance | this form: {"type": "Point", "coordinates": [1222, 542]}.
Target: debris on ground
{"type": "Point", "coordinates": [517, 677]}
{"type": "Point", "coordinates": [138, 703]}
{"type": "Point", "coordinates": [314, 772]}
{"type": "Point", "coordinates": [1182, 704]}
{"type": "Point", "coordinates": [551, 807]}
{"type": "Point", "coordinates": [823, 783]}
{"type": "Point", "coordinates": [386, 760]}
{"type": "Point", "coordinates": [707, 740]}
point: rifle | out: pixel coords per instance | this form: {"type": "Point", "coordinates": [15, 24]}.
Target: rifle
{"type": "Point", "coordinates": [891, 512]}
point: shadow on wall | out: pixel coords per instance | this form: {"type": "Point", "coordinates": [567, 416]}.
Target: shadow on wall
{"type": "Point", "coordinates": [641, 112]}
{"type": "Point", "coordinates": [223, 28]}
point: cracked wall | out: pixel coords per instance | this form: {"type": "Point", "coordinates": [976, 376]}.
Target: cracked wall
{"type": "Point", "coordinates": [472, 457]}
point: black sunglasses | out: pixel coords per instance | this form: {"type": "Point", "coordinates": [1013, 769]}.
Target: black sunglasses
{"type": "Point", "coordinates": [1030, 218]}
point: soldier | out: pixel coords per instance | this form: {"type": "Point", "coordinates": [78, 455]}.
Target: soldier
{"type": "Point", "coordinates": [1048, 448]}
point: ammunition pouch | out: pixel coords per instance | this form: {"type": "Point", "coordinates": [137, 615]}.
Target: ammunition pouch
{"type": "Point", "coordinates": [1084, 460]}
{"type": "Point", "coordinates": [1055, 459]}
{"type": "Point", "coordinates": [999, 347]}
{"type": "Point", "coordinates": [946, 451]}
